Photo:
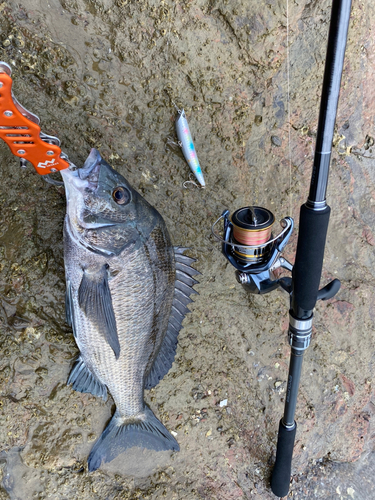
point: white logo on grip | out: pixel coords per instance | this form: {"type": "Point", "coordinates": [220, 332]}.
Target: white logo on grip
{"type": "Point", "coordinates": [47, 163]}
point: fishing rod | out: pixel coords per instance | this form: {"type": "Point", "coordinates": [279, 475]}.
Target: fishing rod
{"type": "Point", "coordinates": [248, 245]}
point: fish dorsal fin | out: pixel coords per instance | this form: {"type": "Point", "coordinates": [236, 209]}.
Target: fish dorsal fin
{"type": "Point", "coordinates": [94, 298]}
{"type": "Point", "coordinates": [183, 289]}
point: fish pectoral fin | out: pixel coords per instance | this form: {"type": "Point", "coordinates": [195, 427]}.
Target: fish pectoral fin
{"type": "Point", "coordinates": [83, 380]}
{"type": "Point", "coordinates": [68, 304]}
{"type": "Point", "coordinates": [95, 300]}
{"type": "Point", "coordinates": [120, 434]}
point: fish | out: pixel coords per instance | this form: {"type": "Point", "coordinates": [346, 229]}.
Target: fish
{"type": "Point", "coordinates": [127, 292]}
{"type": "Point", "coordinates": [187, 146]}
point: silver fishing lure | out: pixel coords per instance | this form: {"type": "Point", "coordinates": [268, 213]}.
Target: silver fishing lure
{"type": "Point", "coordinates": [188, 149]}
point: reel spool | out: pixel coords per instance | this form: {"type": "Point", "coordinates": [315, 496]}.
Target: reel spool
{"type": "Point", "coordinates": [252, 229]}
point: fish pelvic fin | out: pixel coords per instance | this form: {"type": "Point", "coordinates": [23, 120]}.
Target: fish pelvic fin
{"type": "Point", "coordinates": [83, 380]}
{"type": "Point", "coordinates": [183, 289]}
{"type": "Point", "coordinates": [143, 431]}
{"type": "Point", "coordinates": [94, 298]}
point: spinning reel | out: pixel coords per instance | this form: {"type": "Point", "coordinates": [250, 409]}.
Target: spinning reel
{"type": "Point", "coordinates": [249, 245]}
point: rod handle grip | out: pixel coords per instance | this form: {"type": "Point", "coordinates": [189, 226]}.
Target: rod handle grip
{"type": "Point", "coordinates": [307, 269]}
{"type": "Point", "coordinates": [282, 470]}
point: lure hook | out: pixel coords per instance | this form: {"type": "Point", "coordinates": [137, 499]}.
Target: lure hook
{"type": "Point", "coordinates": [191, 181]}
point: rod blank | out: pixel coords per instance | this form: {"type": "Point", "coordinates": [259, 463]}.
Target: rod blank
{"type": "Point", "coordinates": [338, 33]}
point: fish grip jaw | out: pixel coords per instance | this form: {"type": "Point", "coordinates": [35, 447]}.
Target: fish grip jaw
{"type": "Point", "coordinates": [20, 130]}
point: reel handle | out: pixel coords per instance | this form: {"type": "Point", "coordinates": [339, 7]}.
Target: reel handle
{"type": "Point", "coordinates": [330, 290]}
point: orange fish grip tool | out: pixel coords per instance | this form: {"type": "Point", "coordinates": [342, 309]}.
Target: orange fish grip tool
{"type": "Point", "coordinates": [19, 128]}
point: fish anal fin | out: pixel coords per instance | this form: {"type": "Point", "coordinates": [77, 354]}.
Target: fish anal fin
{"type": "Point", "coordinates": [83, 380]}
{"type": "Point", "coordinates": [164, 359]}
{"type": "Point", "coordinates": [94, 298]}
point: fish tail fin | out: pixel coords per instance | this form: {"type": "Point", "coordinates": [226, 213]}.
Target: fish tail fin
{"type": "Point", "coordinates": [144, 431]}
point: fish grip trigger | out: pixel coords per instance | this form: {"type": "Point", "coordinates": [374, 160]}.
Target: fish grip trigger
{"type": "Point", "coordinates": [20, 129]}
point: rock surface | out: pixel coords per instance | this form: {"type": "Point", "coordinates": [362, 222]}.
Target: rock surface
{"type": "Point", "coordinates": [107, 74]}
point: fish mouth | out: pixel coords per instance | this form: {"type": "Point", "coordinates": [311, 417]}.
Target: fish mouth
{"type": "Point", "coordinates": [79, 184]}
{"type": "Point", "coordinates": [86, 177]}
{"type": "Point", "coordinates": [90, 170]}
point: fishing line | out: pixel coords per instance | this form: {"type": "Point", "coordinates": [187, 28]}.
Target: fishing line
{"type": "Point", "coordinates": [169, 33]}
{"type": "Point", "coordinates": [179, 111]}
{"type": "Point", "coordinates": [185, 140]}
{"type": "Point", "coordinates": [288, 101]}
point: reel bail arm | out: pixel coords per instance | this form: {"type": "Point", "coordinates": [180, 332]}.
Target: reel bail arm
{"type": "Point", "coordinates": [20, 129]}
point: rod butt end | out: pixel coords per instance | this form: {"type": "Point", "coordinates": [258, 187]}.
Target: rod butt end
{"type": "Point", "coordinates": [280, 480]}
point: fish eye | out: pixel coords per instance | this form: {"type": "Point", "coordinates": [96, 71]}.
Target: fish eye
{"type": "Point", "coordinates": [121, 195]}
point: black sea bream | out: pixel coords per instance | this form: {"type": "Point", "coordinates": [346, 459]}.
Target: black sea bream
{"type": "Point", "coordinates": [127, 294]}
